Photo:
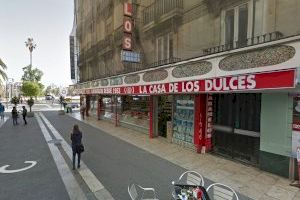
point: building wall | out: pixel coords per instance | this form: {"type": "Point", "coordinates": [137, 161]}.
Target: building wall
{"type": "Point", "coordinates": [200, 26]}
{"type": "Point", "coordinates": [276, 132]}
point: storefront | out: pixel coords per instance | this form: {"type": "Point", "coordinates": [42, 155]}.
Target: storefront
{"type": "Point", "coordinates": [222, 105]}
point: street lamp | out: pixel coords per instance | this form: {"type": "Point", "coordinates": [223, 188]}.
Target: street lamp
{"type": "Point", "coordinates": [31, 45]}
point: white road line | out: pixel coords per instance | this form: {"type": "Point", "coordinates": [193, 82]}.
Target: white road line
{"type": "Point", "coordinates": [72, 187]}
{"type": "Point", "coordinates": [93, 183]}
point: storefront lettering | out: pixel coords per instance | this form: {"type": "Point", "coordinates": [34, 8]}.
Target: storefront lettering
{"type": "Point", "coordinates": [190, 86]}
{"type": "Point", "coordinates": [231, 83]}
{"type": "Point", "coordinates": [116, 90]}
{"type": "Point", "coordinates": [284, 79]}
{"type": "Point", "coordinates": [129, 90]}
{"type": "Point", "coordinates": [157, 89]}
{"type": "Point", "coordinates": [173, 87]}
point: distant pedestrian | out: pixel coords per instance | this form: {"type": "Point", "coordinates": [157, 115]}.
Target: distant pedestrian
{"type": "Point", "coordinates": [14, 114]}
{"type": "Point", "coordinates": [82, 110]}
{"type": "Point", "coordinates": [76, 137]}
{"type": "Point", "coordinates": [24, 114]}
{"type": "Point", "coordinates": [2, 109]}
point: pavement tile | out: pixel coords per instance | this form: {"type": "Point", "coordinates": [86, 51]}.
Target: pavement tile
{"type": "Point", "coordinates": [280, 193]}
{"type": "Point", "coordinates": [297, 196]}
{"type": "Point", "coordinates": [266, 197]}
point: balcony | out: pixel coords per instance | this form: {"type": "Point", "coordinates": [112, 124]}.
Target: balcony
{"type": "Point", "coordinates": [268, 37]}
{"type": "Point", "coordinates": [161, 11]}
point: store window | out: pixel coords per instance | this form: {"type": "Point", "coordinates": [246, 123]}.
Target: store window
{"type": "Point", "coordinates": [135, 110]}
{"type": "Point", "coordinates": [93, 108]}
{"type": "Point", "coordinates": [237, 25]}
{"type": "Point", "coordinates": [183, 118]}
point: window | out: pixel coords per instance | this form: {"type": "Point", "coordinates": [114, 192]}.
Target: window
{"type": "Point", "coordinates": [238, 111]}
{"type": "Point", "coordinates": [164, 47]}
{"type": "Point", "coordinates": [237, 25]}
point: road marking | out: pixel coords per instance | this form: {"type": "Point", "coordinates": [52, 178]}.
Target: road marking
{"type": "Point", "coordinates": [7, 171]}
{"type": "Point", "coordinates": [2, 121]}
{"type": "Point", "coordinates": [72, 187]}
{"type": "Point", "coordinates": [91, 180]}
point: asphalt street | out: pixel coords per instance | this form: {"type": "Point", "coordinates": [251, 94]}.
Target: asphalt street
{"type": "Point", "coordinates": [26, 143]}
{"type": "Point", "coordinates": [114, 162]}
{"type": "Point", "coordinates": [117, 163]}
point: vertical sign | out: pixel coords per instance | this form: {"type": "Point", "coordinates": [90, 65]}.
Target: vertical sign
{"type": "Point", "coordinates": [72, 57]}
{"type": "Point", "coordinates": [127, 27]}
{"type": "Point", "coordinates": [209, 121]}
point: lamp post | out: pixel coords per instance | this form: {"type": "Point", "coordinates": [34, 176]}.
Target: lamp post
{"type": "Point", "coordinates": [31, 46]}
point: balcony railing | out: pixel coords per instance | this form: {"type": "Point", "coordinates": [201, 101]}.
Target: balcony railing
{"type": "Point", "coordinates": [268, 37]}
{"type": "Point", "coordinates": [160, 8]}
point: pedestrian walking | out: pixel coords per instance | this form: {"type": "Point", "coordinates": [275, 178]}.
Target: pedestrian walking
{"type": "Point", "coordinates": [14, 114]}
{"type": "Point", "coordinates": [77, 147]}
{"type": "Point", "coordinates": [24, 114]}
{"type": "Point", "coordinates": [2, 109]}
{"type": "Point", "coordinates": [82, 110]}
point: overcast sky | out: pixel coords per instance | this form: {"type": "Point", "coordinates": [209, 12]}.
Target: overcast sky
{"type": "Point", "coordinates": [49, 23]}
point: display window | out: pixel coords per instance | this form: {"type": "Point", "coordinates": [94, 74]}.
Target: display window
{"type": "Point", "coordinates": [135, 110]}
{"type": "Point", "coordinates": [93, 106]}
{"type": "Point", "coordinates": [107, 107]}
{"type": "Point", "coordinates": [183, 118]}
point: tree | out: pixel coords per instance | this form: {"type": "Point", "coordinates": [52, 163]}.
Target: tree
{"type": "Point", "coordinates": [31, 74]}
{"type": "Point", "coordinates": [15, 100]}
{"type": "Point", "coordinates": [31, 89]}
{"type": "Point", "coordinates": [3, 75]}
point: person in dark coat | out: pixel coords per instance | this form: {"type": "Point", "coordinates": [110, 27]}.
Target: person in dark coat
{"type": "Point", "coordinates": [24, 114]}
{"type": "Point", "coordinates": [76, 137]}
{"type": "Point", "coordinates": [14, 114]}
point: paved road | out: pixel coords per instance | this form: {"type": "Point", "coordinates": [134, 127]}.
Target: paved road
{"type": "Point", "coordinates": [117, 163]}
{"type": "Point", "coordinates": [17, 145]}
{"type": "Point", "coordinates": [114, 162]}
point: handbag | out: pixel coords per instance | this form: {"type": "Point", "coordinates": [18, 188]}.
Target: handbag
{"type": "Point", "coordinates": [80, 148]}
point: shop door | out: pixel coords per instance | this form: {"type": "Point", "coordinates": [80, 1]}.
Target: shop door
{"type": "Point", "coordinates": [237, 126]}
{"type": "Point", "coordinates": [164, 114]}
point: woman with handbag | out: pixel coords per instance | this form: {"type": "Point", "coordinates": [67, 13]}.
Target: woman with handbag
{"type": "Point", "coordinates": [77, 146]}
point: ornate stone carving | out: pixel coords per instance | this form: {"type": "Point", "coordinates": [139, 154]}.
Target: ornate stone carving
{"type": "Point", "coordinates": [259, 58]}
{"type": "Point", "coordinates": [155, 75]}
{"type": "Point", "coordinates": [104, 82]}
{"type": "Point", "coordinates": [130, 79]}
{"type": "Point", "coordinates": [116, 81]}
{"type": "Point", "coordinates": [192, 69]}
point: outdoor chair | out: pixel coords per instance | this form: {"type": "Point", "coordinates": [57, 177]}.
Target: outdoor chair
{"type": "Point", "coordinates": [187, 178]}
{"type": "Point", "coordinates": [137, 192]}
{"type": "Point", "coordinates": [221, 192]}
{"type": "Point", "coordinates": [191, 178]}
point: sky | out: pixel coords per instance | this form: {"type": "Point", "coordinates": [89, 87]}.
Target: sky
{"type": "Point", "coordinates": [49, 23]}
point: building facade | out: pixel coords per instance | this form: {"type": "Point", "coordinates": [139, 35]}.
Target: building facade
{"type": "Point", "coordinates": [216, 76]}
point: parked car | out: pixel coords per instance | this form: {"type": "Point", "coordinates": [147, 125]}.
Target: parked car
{"type": "Point", "coordinates": [49, 97]}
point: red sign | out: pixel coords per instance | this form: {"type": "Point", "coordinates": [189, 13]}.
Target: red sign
{"type": "Point", "coordinates": [259, 81]}
{"type": "Point", "coordinates": [128, 26]}
{"type": "Point", "coordinates": [128, 9]}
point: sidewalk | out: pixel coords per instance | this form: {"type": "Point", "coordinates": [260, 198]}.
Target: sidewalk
{"type": "Point", "coordinates": [247, 180]}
